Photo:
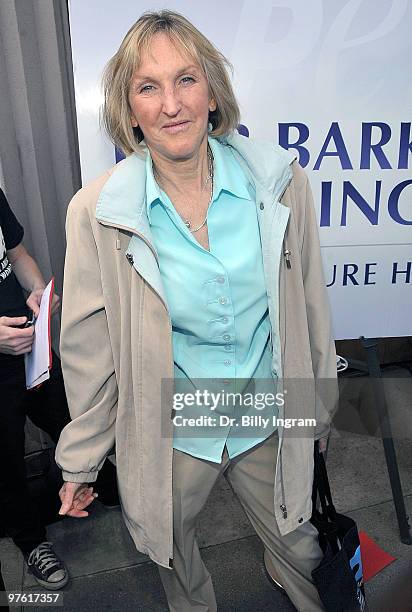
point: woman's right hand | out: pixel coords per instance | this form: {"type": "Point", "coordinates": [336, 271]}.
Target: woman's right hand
{"type": "Point", "coordinates": [75, 496]}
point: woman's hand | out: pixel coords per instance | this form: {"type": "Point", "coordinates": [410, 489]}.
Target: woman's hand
{"type": "Point", "coordinates": [75, 496]}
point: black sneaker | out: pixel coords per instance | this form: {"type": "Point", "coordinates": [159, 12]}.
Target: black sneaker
{"type": "Point", "coordinates": [46, 567]}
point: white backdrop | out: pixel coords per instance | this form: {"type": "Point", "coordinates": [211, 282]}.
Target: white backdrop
{"type": "Point", "coordinates": [340, 71]}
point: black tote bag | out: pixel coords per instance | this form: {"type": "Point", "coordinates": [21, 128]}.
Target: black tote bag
{"type": "Point", "coordinates": [338, 577]}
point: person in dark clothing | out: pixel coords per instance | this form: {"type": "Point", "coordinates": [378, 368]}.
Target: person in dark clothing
{"type": "Point", "coordinates": [2, 588]}
{"type": "Point", "coordinates": [46, 406]}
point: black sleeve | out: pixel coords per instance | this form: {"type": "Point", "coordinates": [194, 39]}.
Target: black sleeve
{"type": "Point", "coordinates": [12, 230]}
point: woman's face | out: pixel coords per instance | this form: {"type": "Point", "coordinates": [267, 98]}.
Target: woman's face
{"type": "Point", "coordinates": [170, 101]}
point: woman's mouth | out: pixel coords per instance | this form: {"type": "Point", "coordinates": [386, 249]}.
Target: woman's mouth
{"type": "Point", "coordinates": [173, 128]}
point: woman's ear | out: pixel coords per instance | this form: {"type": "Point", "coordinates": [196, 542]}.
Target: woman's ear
{"type": "Point", "coordinates": [212, 105]}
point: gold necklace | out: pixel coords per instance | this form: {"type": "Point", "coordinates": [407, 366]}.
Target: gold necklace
{"type": "Point", "coordinates": [209, 177]}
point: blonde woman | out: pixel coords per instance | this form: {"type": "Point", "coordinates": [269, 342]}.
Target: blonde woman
{"type": "Point", "coordinates": [194, 259]}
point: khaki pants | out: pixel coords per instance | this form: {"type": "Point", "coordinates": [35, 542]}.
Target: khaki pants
{"type": "Point", "coordinates": [188, 585]}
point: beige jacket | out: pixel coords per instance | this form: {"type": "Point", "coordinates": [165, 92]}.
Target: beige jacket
{"type": "Point", "coordinates": [116, 345]}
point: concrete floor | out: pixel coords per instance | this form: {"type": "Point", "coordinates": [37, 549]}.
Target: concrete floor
{"type": "Point", "coordinates": [108, 574]}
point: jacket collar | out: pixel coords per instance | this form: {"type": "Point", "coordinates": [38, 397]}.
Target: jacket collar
{"type": "Point", "coordinates": [122, 201]}
{"type": "Point", "coordinates": [266, 164]}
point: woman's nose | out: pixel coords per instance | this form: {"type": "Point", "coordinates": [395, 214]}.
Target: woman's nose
{"type": "Point", "coordinates": [171, 102]}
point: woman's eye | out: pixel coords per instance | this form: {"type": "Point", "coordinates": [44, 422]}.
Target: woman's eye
{"type": "Point", "coordinates": [146, 88]}
{"type": "Point", "coordinates": [187, 80]}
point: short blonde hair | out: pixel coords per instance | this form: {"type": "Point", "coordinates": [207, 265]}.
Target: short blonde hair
{"type": "Point", "coordinates": [116, 112]}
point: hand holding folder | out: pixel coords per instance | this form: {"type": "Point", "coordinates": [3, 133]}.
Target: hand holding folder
{"type": "Point", "coordinates": [38, 362]}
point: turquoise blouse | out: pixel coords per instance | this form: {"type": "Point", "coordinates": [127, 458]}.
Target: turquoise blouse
{"type": "Point", "coordinates": [219, 311]}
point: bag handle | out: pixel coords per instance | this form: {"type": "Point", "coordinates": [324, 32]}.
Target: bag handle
{"type": "Point", "coordinates": [318, 489]}
{"type": "Point", "coordinates": [321, 486]}
{"type": "Point", "coordinates": [325, 520]}
{"type": "Point", "coordinates": [321, 483]}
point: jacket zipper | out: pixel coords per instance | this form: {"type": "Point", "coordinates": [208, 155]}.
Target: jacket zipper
{"type": "Point", "coordinates": [282, 487]}
{"type": "Point", "coordinates": [283, 504]}
{"type": "Point", "coordinates": [286, 253]}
